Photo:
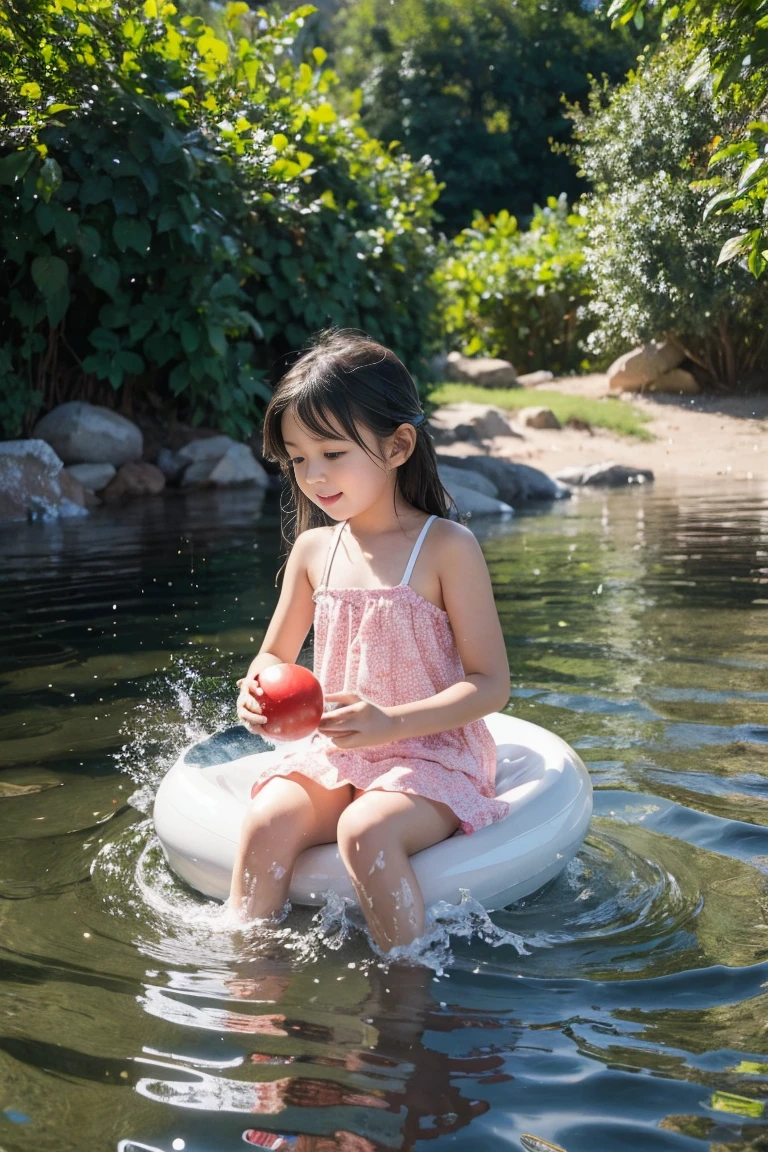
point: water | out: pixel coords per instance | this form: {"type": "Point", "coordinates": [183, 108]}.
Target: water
{"type": "Point", "coordinates": [624, 1007]}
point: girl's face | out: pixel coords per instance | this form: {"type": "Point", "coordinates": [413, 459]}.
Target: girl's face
{"type": "Point", "coordinates": [338, 475]}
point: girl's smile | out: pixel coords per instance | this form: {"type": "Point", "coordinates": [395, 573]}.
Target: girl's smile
{"type": "Point", "coordinates": [325, 500]}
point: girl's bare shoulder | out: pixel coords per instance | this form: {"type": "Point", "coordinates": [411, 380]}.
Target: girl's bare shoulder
{"type": "Point", "coordinates": [312, 546]}
{"type": "Point", "coordinates": [455, 549]}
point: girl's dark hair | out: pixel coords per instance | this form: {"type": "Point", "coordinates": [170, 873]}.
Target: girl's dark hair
{"type": "Point", "coordinates": [345, 380]}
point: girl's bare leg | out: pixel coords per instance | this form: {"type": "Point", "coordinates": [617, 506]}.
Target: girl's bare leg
{"type": "Point", "coordinates": [377, 833]}
{"type": "Point", "coordinates": [287, 815]}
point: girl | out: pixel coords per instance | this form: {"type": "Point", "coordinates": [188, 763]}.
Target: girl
{"type": "Point", "coordinates": [408, 645]}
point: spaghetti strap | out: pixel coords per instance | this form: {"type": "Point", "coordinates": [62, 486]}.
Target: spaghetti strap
{"type": "Point", "coordinates": [416, 550]}
{"type": "Point", "coordinates": [331, 553]}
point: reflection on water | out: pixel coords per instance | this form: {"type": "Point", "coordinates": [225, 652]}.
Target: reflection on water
{"type": "Point", "coordinates": [623, 1007]}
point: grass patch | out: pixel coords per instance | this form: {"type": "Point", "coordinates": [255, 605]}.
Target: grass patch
{"type": "Point", "coordinates": [613, 415]}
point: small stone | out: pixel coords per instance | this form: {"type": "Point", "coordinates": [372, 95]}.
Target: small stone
{"type": "Point", "coordinates": [93, 476]}
{"type": "Point", "coordinates": [538, 418]}
{"type": "Point", "coordinates": [608, 474]}
{"type": "Point", "coordinates": [169, 464]}
{"type": "Point", "coordinates": [136, 479]}
{"type": "Point", "coordinates": [533, 379]}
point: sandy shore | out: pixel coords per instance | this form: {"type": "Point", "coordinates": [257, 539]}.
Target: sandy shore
{"type": "Point", "coordinates": [699, 436]}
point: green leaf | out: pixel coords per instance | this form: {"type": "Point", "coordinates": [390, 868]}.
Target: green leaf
{"type": "Point", "coordinates": [217, 338]}
{"type": "Point", "coordinates": [44, 217]}
{"type": "Point", "coordinates": [190, 337]}
{"type": "Point", "coordinates": [88, 240]}
{"type": "Point", "coordinates": [130, 361]}
{"type": "Point", "coordinates": [49, 178]}
{"type": "Point", "coordinates": [50, 275]}
{"type": "Point", "coordinates": [15, 166]}
{"type": "Point", "coordinates": [104, 273]}
{"type": "Point", "coordinates": [132, 233]}
{"type": "Point", "coordinates": [66, 226]}
{"type": "Point", "coordinates": [56, 306]}
{"type": "Point", "coordinates": [226, 286]}
{"type": "Point", "coordinates": [739, 1105]}
{"type": "Point", "coordinates": [95, 190]}
{"type": "Point", "coordinates": [698, 72]}
{"type": "Point", "coordinates": [726, 197]}
{"type": "Point", "coordinates": [736, 246]}
{"type": "Point", "coordinates": [104, 340]}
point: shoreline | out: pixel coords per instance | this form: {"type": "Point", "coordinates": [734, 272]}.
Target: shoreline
{"type": "Point", "coordinates": [701, 437]}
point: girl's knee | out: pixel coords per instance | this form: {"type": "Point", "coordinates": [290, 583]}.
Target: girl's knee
{"type": "Point", "coordinates": [362, 839]}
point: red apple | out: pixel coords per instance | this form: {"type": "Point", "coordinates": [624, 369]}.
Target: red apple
{"type": "Point", "coordinates": [291, 700]}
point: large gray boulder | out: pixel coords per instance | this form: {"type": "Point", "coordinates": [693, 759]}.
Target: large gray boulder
{"type": "Point", "coordinates": [515, 483]}
{"type": "Point", "coordinates": [208, 448]}
{"type": "Point", "coordinates": [607, 474]}
{"type": "Point", "coordinates": [467, 479]}
{"type": "Point", "coordinates": [237, 465]}
{"type": "Point", "coordinates": [482, 370]}
{"type": "Point", "coordinates": [472, 503]}
{"type": "Point", "coordinates": [83, 433]}
{"type": "Point", "coordinates": [31, 483]}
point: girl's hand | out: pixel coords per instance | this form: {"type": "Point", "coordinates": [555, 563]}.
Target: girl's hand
{"type": "Point", "coordinates": [248, 710]}
{"type": "Point", "coordinates": [357, 723]}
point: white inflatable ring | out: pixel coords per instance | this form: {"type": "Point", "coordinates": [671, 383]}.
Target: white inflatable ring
{"type": "Point", "coordinates": [201, 801]}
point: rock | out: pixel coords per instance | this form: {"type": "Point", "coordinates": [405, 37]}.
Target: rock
{"type": "Point", "coordinates": [466, 421]}
{"type": "Point", "coordinates": [604, 475]}
{"type": "Point", "coordinates": [135, 479]}
{"type": "Point", "coordinates": [473, 503]}
{"type": "Point", "coordinates": [86, 433]}
{"type": "Point", "coordinates": [538, 418]}
{"type": "Point", "coordinates": [516, 483]}
{"type": "Point", "coordinates": [178, 435]}
{"type": "Point", "coordinates": [579, 425]}
{"type": "Point", "coordinates": [465, 478]}
{"type": "Point", "coordinates": [93, 476]}
{"type": "Point", "coordinates": [636, 369]}
{"type": "Point", "coordinates": [438, 366]}
{"type": "Point", "coordinates": [533, 379]}
{"type": "Point", "coordinates": [678, 381]}
{"type": "Point", "coordinates": [73, 490]}
{"type": "Point", "coordinates": [211, 448]}
{"type": "Point", "coordinates": [238, 465]}
{"type": "Point", "coordinates": [483, 371]}
{"type": "Point", "coordinates": [31, 483]}
{"type": "Point", "coordinates": [169, 464]}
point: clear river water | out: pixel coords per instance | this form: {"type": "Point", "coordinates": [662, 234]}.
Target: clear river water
{"type": "Point", "coordinates": [623, 1008]}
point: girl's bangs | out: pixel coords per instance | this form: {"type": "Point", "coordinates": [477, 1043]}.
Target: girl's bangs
{"type": "Point", "coordinates": [317, 414]}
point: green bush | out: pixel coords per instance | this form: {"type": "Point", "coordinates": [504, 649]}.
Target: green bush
{"type": "Point", "coordinates": [515, 294]}
{"type": "Point", "coordinates": [478, 85]}
{"type": "Point", "coordinates": [652, 258]}
{"type": "Point", "coordinates": [180, 207]}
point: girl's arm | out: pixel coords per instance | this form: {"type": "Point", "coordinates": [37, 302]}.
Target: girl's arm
{"type": "Point", "coordinates": [288, 628]}
{"type": "Point", "coordinates": [468, 598]}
